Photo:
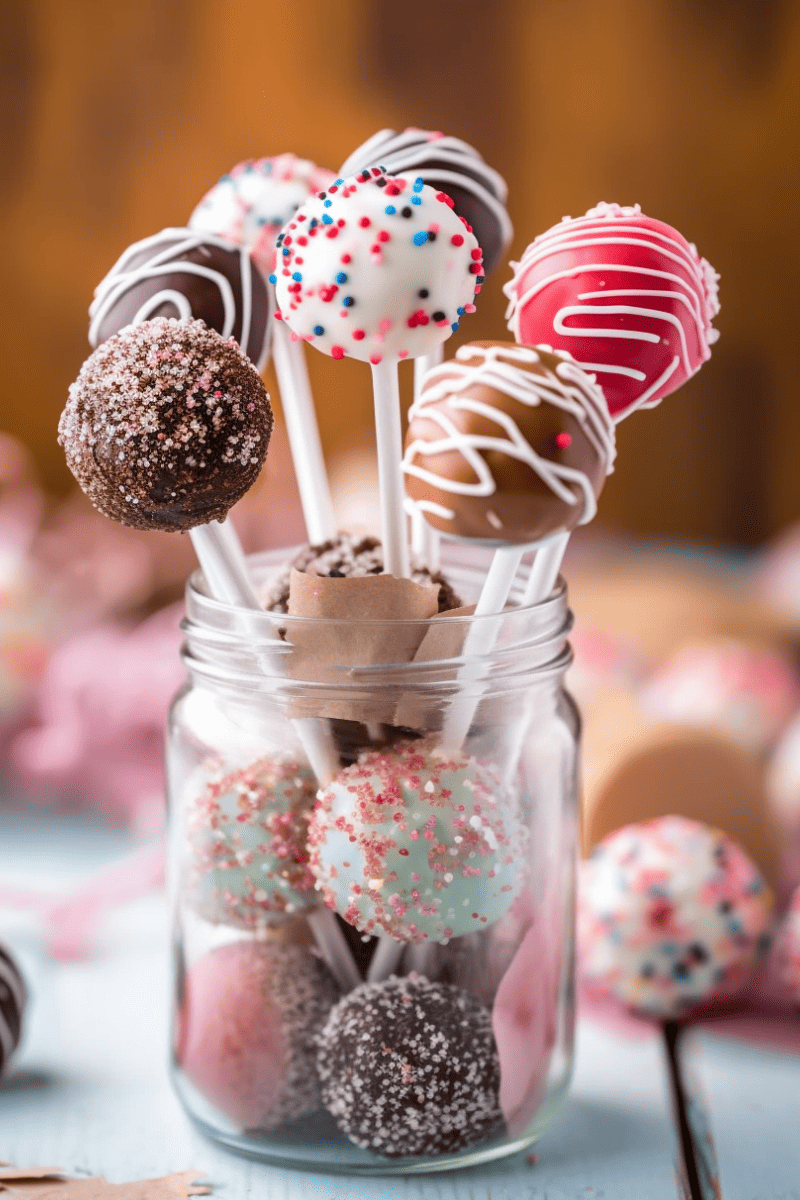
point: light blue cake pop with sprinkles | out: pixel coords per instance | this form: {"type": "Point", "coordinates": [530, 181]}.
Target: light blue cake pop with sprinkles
{"type": "Point", "coordinates": [417, 847]}
{"type": "Point", "coordinates": [247, 861]}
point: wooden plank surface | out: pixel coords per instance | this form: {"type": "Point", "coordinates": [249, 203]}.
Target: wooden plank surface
{"type": "Point", "coordinates": [89, 1090]}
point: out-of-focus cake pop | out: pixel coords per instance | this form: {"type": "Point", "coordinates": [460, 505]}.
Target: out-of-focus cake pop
{"type": "Point", "coordinates": [627, 295]}
{"type": "Point", "coordinates": [635, 770]}
{"type": "Point", "coordinates": [671, 914]}
{"type": "Point", "coordinates": [787, 949]}
{"type": "Point", "coordinates": [507, 444]}
{"type": "Point", "coordinates": [746, 690]}
{"type": "Point", "coordinates": [410, 1067]}
{"type": "Point", "coordinates": [350, 556]}
{"type": "Point", "coordinates": [254, 200]}
{"type": "Point", "coordinates": [246, 831]}
{"type": "Point", "coordinates": [181, 273]}
{"type": "Point", "coordinates": [449, 165]}
{"type": "Point", "coordinates": [13, 998]}
{"type": "Point", "coordinates": [415, 846]}
{"type": "Point", "coordinates": [246, 1027]}
{"type": "Point", "coordinates": [166, 426]}
{"type": "Point", "coordinates": [376, 268]}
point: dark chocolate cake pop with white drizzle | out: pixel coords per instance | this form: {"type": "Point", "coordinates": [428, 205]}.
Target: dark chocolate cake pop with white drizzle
{"type": "Point", "coordinates": [452, 166]}
{"type": "Point", "coordinates": [166, 426]}
{"type": "Point", "coordinates": [410, 1067]}
{"type": "Point", "coordinates": [185, 273]}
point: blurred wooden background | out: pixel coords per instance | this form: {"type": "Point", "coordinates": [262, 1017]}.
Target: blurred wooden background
{"type": "Point", "coordinates": [117, 115]}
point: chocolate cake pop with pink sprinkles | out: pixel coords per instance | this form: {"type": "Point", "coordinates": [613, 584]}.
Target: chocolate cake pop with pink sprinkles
{"type": "Point", "coordinates": [166, 426]}
{"type": "Point", "coordinates": [410, 1067]}
{"type": "Point", "coordinates": [376, 268]}
{"type": "Point", "coordinates": [417, 847]}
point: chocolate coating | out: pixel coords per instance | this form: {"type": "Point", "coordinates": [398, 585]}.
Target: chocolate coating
{"type": "Point", "coordinates": [507, 444]}
{"type": "Point", "coordinates": [183, 273]}
{"type": "Point", "coordinates": [410, 1067]}
{"type": "Point", "coordinates": [451, 166]}
{"type": "Point", "coordinates": [166, 426]}
{"type": "Point", "coordinates": [12, 1006]}
{"type": "Point", "coordinates": [349, 556]}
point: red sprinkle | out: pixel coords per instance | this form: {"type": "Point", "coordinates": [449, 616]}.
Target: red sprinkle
{"type": "Point", "coordinates": [359, 334]}
{"type": "Point", "coordinates": [337, 351]}
{"type": "Point", "coordinates": [383, 236]}
{"type": "Point", "coordinates": [563, 440]}
{"type": "Point", "coordinates": [365, 222]}
{"type": "Point", "coordinates": [456, 240]}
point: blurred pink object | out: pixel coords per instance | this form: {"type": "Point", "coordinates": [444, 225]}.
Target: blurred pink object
{"type": "Point", "coordinates": [604, 661]}
{"type": "Point", "coordinates": [102, 709]}
{"type": "Point", "coordinates": [71, 922]}
{"type": "Point", "coordinates": [746, 690]}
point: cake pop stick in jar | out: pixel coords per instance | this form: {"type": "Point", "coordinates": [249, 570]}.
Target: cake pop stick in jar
{"type": "Point", "coordinates": [479, 195]}
{"type": "Point", "coordinates": [507, 446]}
{"type": "Point", "coordinates": [249, 206]}
{"type": "Point", "coordinates": [378, 269]}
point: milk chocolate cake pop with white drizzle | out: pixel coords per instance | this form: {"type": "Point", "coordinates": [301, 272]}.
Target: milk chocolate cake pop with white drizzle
{"type": "Point", "coordinates": [449, 165]}
{"type": "Point", "coordinates": [508, 444]}
{"type": "Point", "coordinates": [183, 273]}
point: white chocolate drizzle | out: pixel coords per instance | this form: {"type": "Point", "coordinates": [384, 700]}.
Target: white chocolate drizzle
{"type": "Point", "coordinates": [170, 260]}
{"type": "Point", "coordinates": [504, 369]}
{"type": "Point", "coordinates": [692, 285]}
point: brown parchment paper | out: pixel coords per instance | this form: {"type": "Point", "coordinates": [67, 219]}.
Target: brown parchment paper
{"type": "Point", "coordinates": [320, 654]}
{"type": "Point", "coordinates": [444, 639]}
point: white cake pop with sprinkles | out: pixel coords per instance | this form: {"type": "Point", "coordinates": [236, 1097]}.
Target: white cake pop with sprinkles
{"type": "Point", "coordinates": [417, 847]}
{"type": "Point", "coordinates": [254, 200]}
{"type": "Point", "coordinates": [246, 828]}
{"type": "Point", "coordinates": [671, 914]}
{"type": "Point", "coordinates": [376, 268]}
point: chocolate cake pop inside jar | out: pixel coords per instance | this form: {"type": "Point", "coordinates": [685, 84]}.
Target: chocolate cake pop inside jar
{"type": "Point", "coordinates": [404, 906]}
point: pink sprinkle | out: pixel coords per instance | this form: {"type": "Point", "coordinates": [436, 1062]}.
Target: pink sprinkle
{"type": "Point", "coordinates": [563, 440]}
{"type": "Point", "coordinates": [337, 351]}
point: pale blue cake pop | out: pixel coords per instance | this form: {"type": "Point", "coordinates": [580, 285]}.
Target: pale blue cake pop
{"type": "Point", "coordinates": [246, 831]}
{"type": "Point", "coordinates": [417, 847]}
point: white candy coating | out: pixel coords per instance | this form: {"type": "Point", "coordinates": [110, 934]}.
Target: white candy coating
{"type": "Point", "coordinates": [376, 268]}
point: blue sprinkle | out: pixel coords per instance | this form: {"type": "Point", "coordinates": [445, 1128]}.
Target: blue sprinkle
{"type": "Point", "coordinates": [420, 238]}
{"type": "Point", "coordinates": [419, 184]}
{"type": "Point", "coordinates": [286, 252]}
{"type": "Point", "coordinates": [326, 220]}
{"type": "Point", "coordinates": [416, 200]}
{"type": "Point", "coordinates": [454, 326]}
{"type": "Point", "coordinates": [390, 210]}
{"type": "Point", "coordinates": [461, 311]}
{"type": "Point", "coordinates": [338, 182]}
{"type": "Point", "coordinates": [341, 277]}
{"type": "Point", "coordinates": [297, 277]}
{"type": "Point", "coordinates": [273, 278]}
{"type": "Point", "coordinates": [327, 203]}
{"type": "Point", "coordinates": [348, 301]}
{"type": "Point", "coordinates": [318, 330]}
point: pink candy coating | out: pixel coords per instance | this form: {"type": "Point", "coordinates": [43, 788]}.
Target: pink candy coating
{"type": "Point", "coordinates": [625, 294]}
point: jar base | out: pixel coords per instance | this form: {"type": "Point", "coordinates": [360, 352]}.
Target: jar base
{"type": "Point", "coordinates": [315, 1143]}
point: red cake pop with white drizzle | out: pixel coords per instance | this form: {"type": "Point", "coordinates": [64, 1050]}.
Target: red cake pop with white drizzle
{"type": "Point", "coordinates": [627, 295]}
{"type": "Point", "coordinates": [377, 268]}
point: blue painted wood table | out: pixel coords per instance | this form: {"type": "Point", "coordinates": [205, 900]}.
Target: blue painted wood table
{"type": "Point", "coordinates": [89, 1090]}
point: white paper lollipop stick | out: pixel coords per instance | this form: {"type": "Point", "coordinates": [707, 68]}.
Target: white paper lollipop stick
{"type": "Point", "coordinates": [389, 439]}
{"type": "Point", "coordinates": [479, 641]}
{"type": "Point", "coordinates": [303, 432]}
{"type": "Point", "coordinates": [333, 947]}
{"type": "Point", "coordinates": [426, 541]}
{"type": "Point", "coordinates": [544, 570]}
{"type": "Point", "coordinates": [221, 557]}
{"type": "Point", "coordinates": [385, 960]}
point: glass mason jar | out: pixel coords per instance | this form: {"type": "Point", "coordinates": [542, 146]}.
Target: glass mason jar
{"type": "Point", "coordinates": [422, 1017]}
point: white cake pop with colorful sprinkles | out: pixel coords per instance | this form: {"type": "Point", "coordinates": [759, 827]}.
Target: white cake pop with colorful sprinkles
{"type": "Point", "coordinates": [376, 268]}
{"type": "Point", "coordinates": [248, 860]}
{"type": "Point", "coordinates": [417, 847]}
{"type": "Point", "coordinates": [254, 200]}
{"type": "Point", "coordinates": [671, 914]}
